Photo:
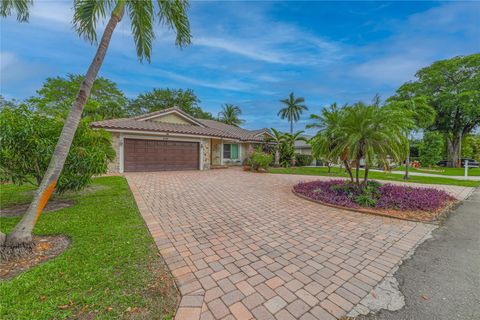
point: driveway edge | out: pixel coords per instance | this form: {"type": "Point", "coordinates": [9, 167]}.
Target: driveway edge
{"type": "Point", "coordinates": [192, 294]}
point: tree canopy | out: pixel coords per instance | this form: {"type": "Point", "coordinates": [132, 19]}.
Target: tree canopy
{"type": "Point", "coordinates": [452, 88]}
{"type": "Point", "coordinates": [57, 94]}
{"type": "Point", "coordinates": [230, 115]}
{"type": "Point", "coordinates": [294, 107]}
{"type": "Point", "coordinates": [28, 140]}
{"type": "Point", "coordinates": [159, 99]}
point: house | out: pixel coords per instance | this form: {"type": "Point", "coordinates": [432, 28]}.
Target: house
{"type": "Point", "coordinates": [302, 147]}
{"type": "Point", "coordinates": [171, 139]}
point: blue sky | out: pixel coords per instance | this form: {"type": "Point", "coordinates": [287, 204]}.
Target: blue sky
{"type": "Point", "coordinates": [254, 53]}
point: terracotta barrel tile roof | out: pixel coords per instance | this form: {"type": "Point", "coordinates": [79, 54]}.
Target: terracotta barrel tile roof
{"type": "Point", "coordinates": [209, 128]}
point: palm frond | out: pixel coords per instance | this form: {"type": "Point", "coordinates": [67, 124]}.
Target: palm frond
{"type": "Point", "coordinates": [20, 7]}
{"type": "Point", "coordinates": [142, 15]}
{"type": "Point", "coordinates": [173, 13]}
{"type": "Point", "coordinates": [86, 16]}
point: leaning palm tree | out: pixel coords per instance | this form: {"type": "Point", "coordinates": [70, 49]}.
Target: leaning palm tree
{"type": "Point", "coordinates": [230, 115]}
{"type": "Point", "coordinates": [277, 138]}
{"type": "Point", "coordinates": [87, 14]}
{"type": "Point", "coordinates": [294, 108]}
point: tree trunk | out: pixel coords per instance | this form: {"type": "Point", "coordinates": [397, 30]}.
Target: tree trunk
{"type": "Point", "coordinates": [365, 178]}
{"type": "Point", "coordinates": [277, 157]}
{"type": "Point", "coordinates": [291, 126]}
{"type": "Point", "coordinates": [407, 164]}
{"type": "Point", "coordinates": [453, 150]}
{"type": "Point", "coordinates": [20, 239]}
{"type": "Point", "coordinates": [347, 167]}
{"type": "Point", "coordinates": [357, 173]}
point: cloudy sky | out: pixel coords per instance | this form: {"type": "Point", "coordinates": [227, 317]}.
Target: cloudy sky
{"type": "Point", "coordinates": [253, 53]}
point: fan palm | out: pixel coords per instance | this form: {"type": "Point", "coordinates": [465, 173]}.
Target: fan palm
{"type": "Point", "coordinates": [294, 108]}
{"type": "Point", "coordinates": [87, 14]}
{"type": "Point", "coordinates": [230, 115]}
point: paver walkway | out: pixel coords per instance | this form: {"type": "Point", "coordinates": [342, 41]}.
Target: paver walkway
{"type": "Point", "coordinates": [242, 246]}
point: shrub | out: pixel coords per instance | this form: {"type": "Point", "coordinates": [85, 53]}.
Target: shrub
{"type": "Point", "coordinates": [27, 142]}
{"type": "Point", "coordinates": [303, 159]}
{"type": "Point", "coordinates": [431, 148]}
{"type": "Point", "coordinates": [374, 194]}
{"type": "Point", "coordinates": [260, 159]}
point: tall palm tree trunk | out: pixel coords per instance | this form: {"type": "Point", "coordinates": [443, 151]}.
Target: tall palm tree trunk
{"type": "Point", "coordinates": [347, 167]}
{"type": "Point", "coordinates": [20, 239]}
{"type": "Point", "coordinates": [291, 126]}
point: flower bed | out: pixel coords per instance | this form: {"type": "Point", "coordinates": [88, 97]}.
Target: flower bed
{"type": "Point", "coordinates": [412, 203]}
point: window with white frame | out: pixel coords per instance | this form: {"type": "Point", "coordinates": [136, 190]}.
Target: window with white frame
{"type": "Point", "coordinates": [230, 151]}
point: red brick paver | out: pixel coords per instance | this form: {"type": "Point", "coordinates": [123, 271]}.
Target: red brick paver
{"type": "Point", "coordinates": [242, 246]}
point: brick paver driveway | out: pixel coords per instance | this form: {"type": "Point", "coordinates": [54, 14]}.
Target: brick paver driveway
{"type": "Point", "coordinates": [242, 246]}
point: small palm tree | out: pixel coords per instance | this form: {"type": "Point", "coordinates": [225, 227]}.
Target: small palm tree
{"type": "Point", "coordinates": [87, 13]}
{"type": "Point", "coordinates": [230, 115]}
{"type": "Point", "coordinates": [294, 108]}
{"type": "Point", "coordinates": [322, 143]}
{"type": "Point", "coordinates": [277, 138]}
{"type": "Point", "coordinates": [290, 139]}
{"type": "Point", "coordinates": [371, 132]}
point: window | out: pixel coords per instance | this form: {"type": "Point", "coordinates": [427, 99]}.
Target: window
{"type": "Point", "coordinates": [230, 151]}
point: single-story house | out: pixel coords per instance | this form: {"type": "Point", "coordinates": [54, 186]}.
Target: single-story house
{"type": "Point", "coordinates": [171, 139]}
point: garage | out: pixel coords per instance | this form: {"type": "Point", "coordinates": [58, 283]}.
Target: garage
{"type": "Point", "coordinates": [160, 155]}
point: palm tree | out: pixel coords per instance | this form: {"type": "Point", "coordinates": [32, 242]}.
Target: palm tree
{"type": "Point", "coordinates": [323, 143]}
{"type": "Point", "coordinates": [294, 108]}
{"type": "Point", "coordinates": [87, 13]}
{"type": "Point", "coordinates": [371, 132]}
{"type": "Point", "coordinates": [277, 138]}
{"type": "Point", "coordinates": [290, 139]}
{"type": "Point", "coordinates": [230, 115]}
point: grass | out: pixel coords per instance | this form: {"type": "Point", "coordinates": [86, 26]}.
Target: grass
{"type": "Point", "coordinates": [111, 265]}
{"type": "Point", "coordinates": [443, 171]}
{"type": "Point", "coordinates": [323, 171]}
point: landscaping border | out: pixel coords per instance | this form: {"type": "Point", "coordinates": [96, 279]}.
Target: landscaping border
{"type": "Point", "coordinates": [377, 213]}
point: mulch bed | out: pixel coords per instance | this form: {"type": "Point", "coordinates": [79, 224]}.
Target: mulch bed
{"type": "Point", "coordinates": [46, 248]}
{"type": "Point", "coordinates": [19, 209]}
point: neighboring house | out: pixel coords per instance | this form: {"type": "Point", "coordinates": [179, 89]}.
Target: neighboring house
{"type": "Point", "coordinates": [171, 139]}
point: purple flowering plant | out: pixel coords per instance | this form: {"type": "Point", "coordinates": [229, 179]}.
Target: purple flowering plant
{"type": "Point", "coordinates": [374, 195]}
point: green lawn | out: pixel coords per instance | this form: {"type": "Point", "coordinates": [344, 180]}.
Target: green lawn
{"type": "Point", "coordinates": [111, 264]}
{"type": "Point", "coordinates": [444, 171]}
{"type": "Point", "coordinates": [323, 171]}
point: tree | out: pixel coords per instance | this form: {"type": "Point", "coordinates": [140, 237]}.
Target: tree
{"type": "Point", "coordinates": [452, 88]}
{"type": "Point", "coordinates": [5, 103]}
{"type": "Point", "coordinates": [362, 132]}
{"type": "Point", "coordinates": [289, 141]}
{"type": "Point", "coordinates": [28, 139]}
{"type": "Point", "coordinates": [230, 115]}
{"type": "Point", "coordinates": [294, 108]}
{"type": "Point", "coordinates": [431, 148]}
{"type": "Point", "coordinates": [422, 114]}
{"type": "Point", "coordinates": [159, 99]}
{"type": "Point", "coordinates": [87, 14]}
{"type": "Point", "coordinates": [471, 146]}
{"type": "Point", "coordinates": [57, 94]}
{"type": "Point", "coordinates": [277, 139]}
{"type": "Point", "coordinates": [322, 143]}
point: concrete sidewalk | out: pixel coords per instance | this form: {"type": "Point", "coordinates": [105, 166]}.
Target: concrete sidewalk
{"type": "Point", "coordinates": [433, 175]}
{"type": "Point", "coordinates": [442, 279]}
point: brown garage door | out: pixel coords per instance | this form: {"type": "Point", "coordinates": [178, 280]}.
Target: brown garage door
{"type": "Point", "coordinates": [157, 155]}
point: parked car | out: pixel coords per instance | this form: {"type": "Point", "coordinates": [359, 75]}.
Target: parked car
{"type": "Point", "coordinates": [471, 163]}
